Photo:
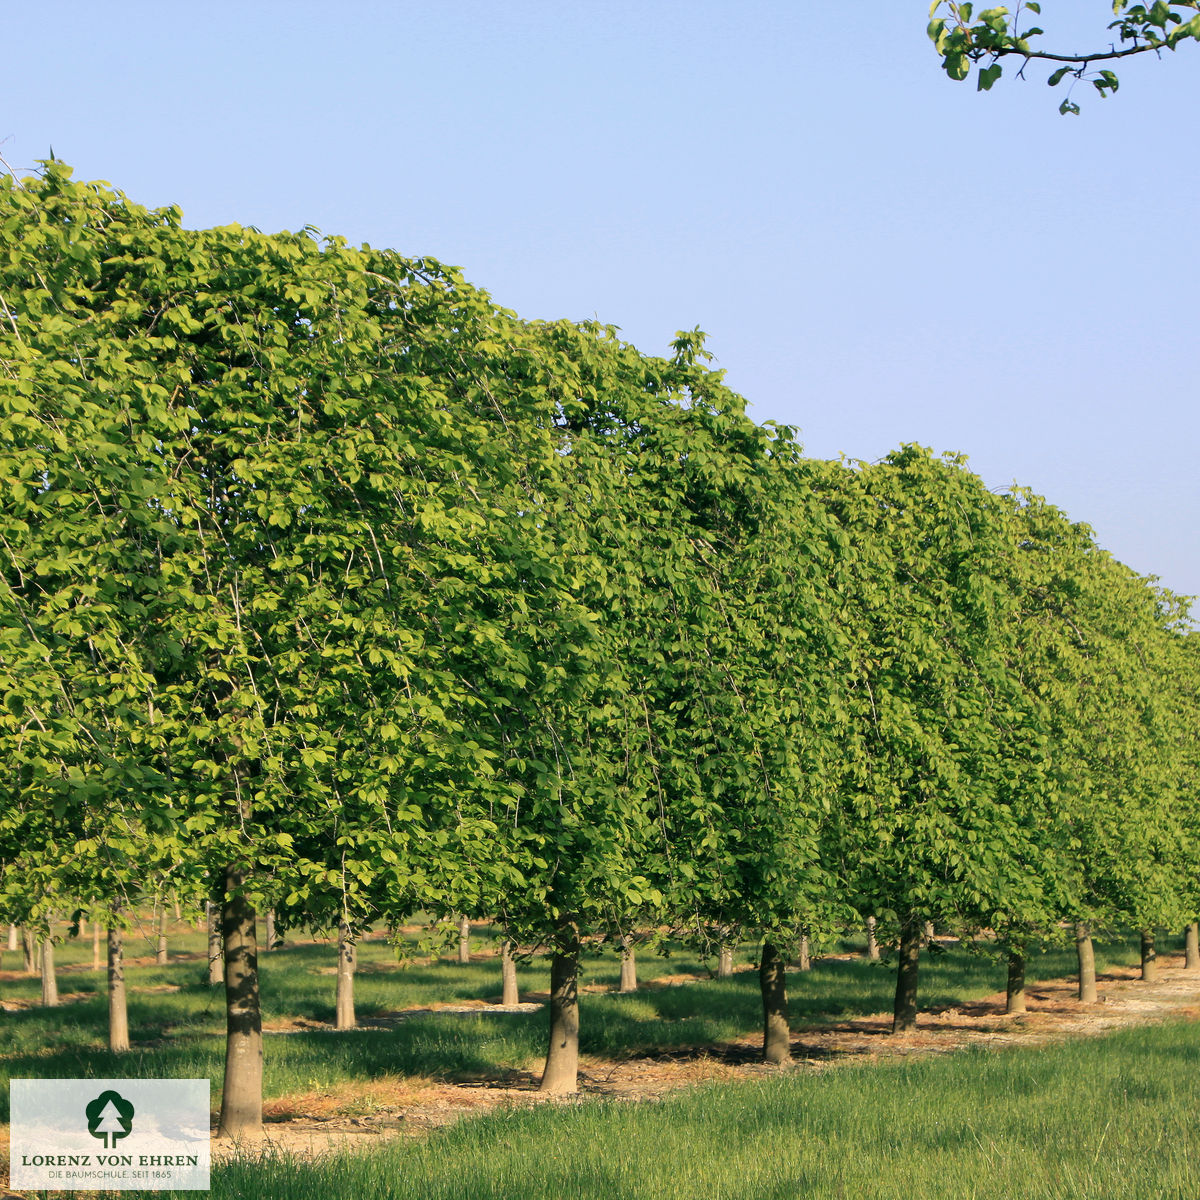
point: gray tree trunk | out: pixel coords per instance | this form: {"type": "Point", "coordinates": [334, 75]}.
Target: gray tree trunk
{"type": "Point", "coordinates": [49, 976]}
{"type": "Point", "coordinates": [464, 941]}
{"type": "Point", "coordinates": [118, 1010]}
{"type": "Point", "coordinates": [216, 955]}
{"type": "Point", "coordinates": [1015, 1001]}
{"type": "Point", "coordinates": [160, 956]}
{"type": "Point", "coordinates": [269, 941]}
{"type": "Point", "coordinates": [508, 975]}
{"type": "Point", "coordinates": [241, 1098]}
{"type": "Point", "coordinates": [1191, 947]}
{"type": "Point", "coordinates": [628, 966]}
{"type": "Point", "coordinates": [804, 957]}
{"type": "Point", "coordinates": [930, 932]}
{"type": "Point", "coordinates": [872, 944]}
{"type": "Point", "coordinates": [347, 960]}
{"type": "Point", "coordinates": [95, 945]}
{"type": "Point", "coordinates": [1149, 957]}
{"type": "Point", "coordinates": [904, 1012]}
{"type": "Point", "coordinates": [724, 962]}
{"type": "Point", "coordinates": [561, 1075]}
{"type": "Point", "coordinates": [27, 947]}
{"type": "Point", "coordinates": [777, 1038]}
{"type": "Point", "coordinates": [1086, 954]}
{"type": "Point", "coordinates": [12, 937]}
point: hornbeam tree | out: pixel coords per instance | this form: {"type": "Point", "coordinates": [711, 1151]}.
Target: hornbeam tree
{"type": "Point", "coordinates": [1096, 650]}
{"type": "Point", "coordinates": [305, 439]}
{"type": "Point", "coordinates": [926, 828]}
{"type": "Point", "coordinates": [670, 739]}
{"type": "Point", "coordinates": [1185, 680]}
{"type": "Point", "coordinates": [81, 729]}
{"type": "Point", "coordinates": [752, 699]}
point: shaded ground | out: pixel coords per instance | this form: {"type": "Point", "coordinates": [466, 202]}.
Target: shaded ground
{"type": "Point", "coordinates": [359, 1116]}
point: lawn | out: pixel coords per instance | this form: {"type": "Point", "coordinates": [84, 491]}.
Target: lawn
{"type": "Point", "coordinates": [1094, 1119]}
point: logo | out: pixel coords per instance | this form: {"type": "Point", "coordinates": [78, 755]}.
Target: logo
{"type": "Point", "coordinates": [148, 1135]}
{"type": "Point", "coordinates": [109, 1116]}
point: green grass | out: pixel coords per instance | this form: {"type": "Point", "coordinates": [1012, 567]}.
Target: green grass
{"type": "Point", "coordinates": [1091, 1119]}
{"type": "Point", "coordinates": [1096, 1119]}
{"type": "Point", "coordinates": [180, 1034]}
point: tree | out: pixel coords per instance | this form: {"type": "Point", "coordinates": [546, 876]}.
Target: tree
{"type": "Point", "coordinates": [965, 39]}
{"type": "Point", "coordinates": [926, 827]}
{"type": "Point", "coordinates": [290, 468]}
{"type": "Point", "coordinates": [1100, 649]}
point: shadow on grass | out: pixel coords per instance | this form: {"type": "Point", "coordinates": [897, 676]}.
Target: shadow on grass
{"type": "Point", "coordinates": [179, 1034]}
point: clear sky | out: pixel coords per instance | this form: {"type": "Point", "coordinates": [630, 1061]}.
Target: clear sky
{"type": "Point", "coordinates": [877, 254]}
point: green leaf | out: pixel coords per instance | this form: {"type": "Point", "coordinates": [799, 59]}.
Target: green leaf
{"type": "Point", "coordinates": [988, 76]}
{"type": "Point", "coordinates": [957, 65]}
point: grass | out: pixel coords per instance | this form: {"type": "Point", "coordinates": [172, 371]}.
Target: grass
{"type": "Point", "coordinates": [180, 1033]}
{"type": "Point", "coordinates": [1089, 1119]}
{"type": "Point", "coordinates": [1096, 1119]}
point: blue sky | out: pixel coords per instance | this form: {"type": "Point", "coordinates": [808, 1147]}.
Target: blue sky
{"type": "Point", "coordinates": [877, 254]}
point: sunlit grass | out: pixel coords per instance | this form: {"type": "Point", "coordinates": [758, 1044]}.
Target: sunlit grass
{"type": "Point", "coordinates": [179, 1033]}
{"type": "Point", "coordinates": [1096, 1119]}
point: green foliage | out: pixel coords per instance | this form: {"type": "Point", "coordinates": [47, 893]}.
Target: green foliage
{"type": "Point", "coordinates": [316, 561]}
{"type": "Point", "coordinates": [965, 39]}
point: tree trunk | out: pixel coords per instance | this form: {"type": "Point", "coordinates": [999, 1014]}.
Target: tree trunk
{"type": "Point", "coordinates": [508, 975]}
{"type": "Point", "coordinates": [724, 962]}
{"type": "Point", "coordinates": [118, 1010]}
{"type": "Point", "coordinates": [178, 910]}
{"type": "Point", "coordinates": [561, 1075]}
{"type": "Point", "coordinates": [49, 978]}
{"type": "Point", "coordinates": [269, 940]}
{"type": "Point", "coordinates": [1087, 963]}
{"type": "Point", "coordinates": [27, 949]}
{"type": "Point", "coordinates": [216, 957]}
{"type": "Point", "coordinates": [628, 967]}
{"type": "Point", "coordinates": [241, 1099]}
{"type": "Point", "coordinates": [1015, 1002]}
{"type": "Point", "coordinates": [160, 956]}
{"type": "Point", "coordinates": [872, 944]}
{"type": "Point", "coordinates": [12, 937]}
{"type": "Point", "coordinates": [929, 932]}
{"type": "Point", "coordinates": [904, 1013]}
{"type": "Point", "coordinates": [1149, 957]}
{"type": "Point", "coordinates": [82, 931]}
{"type": "Point", "coordinates": [95, 945]}
{"type": "Point", "coordinates": [804, 958]}
{"type": "Point", "coordinates": [464, 941]}
{"type": "Point", "coordinates": [347, 959]}
{"type": "Point", "coordinates": [777, 1039]}
{"type": "Point", "coordinates": [1191, 947]}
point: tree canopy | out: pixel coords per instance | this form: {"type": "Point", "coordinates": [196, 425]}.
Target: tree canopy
{"type": "Point", "coordinates": [330, 586]}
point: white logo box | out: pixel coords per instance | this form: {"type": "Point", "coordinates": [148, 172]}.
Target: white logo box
{"type": "Point", "coordinates": [109, 1134]}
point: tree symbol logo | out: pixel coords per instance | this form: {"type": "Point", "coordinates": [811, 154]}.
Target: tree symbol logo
{"type": "Point", "coordinates": [109, 1116]}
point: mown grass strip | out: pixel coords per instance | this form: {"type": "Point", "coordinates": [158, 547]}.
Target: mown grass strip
{"type": "Point", "coordinates": [1095, 1119]}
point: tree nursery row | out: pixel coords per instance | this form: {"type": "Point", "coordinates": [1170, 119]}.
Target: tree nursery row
{"type": "Point", "coordinates": [332, 589]}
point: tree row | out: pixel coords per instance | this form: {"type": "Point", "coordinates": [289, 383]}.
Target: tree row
{"type": "Point", "coordinates": [332, 588]}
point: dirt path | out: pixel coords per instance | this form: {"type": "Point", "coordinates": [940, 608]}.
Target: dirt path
{"type": "Point", "coordinates": [363, 1115]}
